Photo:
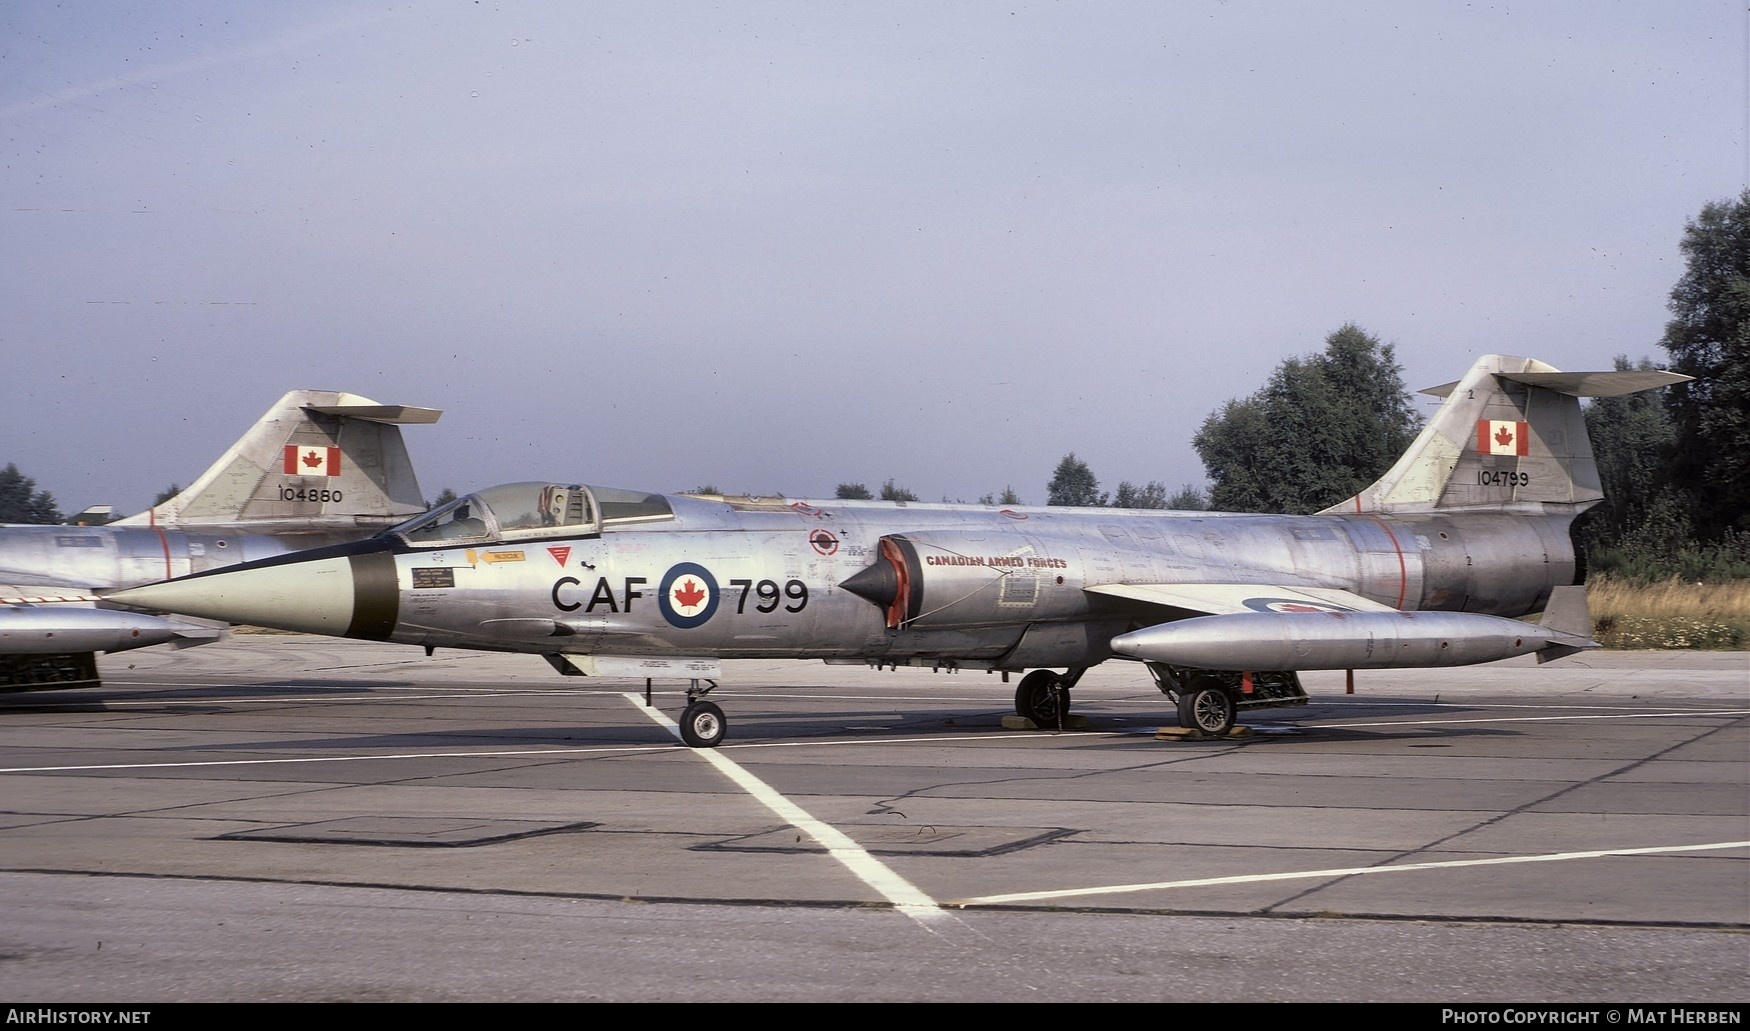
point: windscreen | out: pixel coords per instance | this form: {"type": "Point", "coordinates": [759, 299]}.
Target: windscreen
{"type": "Point", "coordinates": [531, 509]}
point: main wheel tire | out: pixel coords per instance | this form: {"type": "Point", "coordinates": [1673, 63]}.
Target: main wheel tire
{"type": "Point", "coordinates": [1207, 708]}
{"type": "Point", "coordinates": [1042, 698]}
{"type": "Point", "coordinates": [703, 725]}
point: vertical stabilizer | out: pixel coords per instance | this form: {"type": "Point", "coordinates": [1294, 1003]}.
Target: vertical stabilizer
{"type": "Point", "coordinates": [319, 462]}
{"type": "Point", "coordinates": [1510, 437]}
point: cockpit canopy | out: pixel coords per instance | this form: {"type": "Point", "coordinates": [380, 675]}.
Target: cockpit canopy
{"type": "Point", "coordinates": [520, 511]}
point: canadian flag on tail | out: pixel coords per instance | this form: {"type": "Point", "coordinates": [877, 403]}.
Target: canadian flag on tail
{"type": "Point", "coordinates": [1496, 437]}
{"type": "Point", "coordinates": [312, 461]}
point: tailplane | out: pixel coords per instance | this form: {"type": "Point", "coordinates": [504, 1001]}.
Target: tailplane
{"type": "Point", "coordinates": [319, 463]}
{"type": "Point", "coordinates": [1510, 437]}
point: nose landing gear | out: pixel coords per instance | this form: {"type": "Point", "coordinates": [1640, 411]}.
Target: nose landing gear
{"type": "Point", "coordinates": [702, 723]}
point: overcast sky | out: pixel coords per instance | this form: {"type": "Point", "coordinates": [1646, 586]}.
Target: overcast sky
{"type": "Point", "coordinates": [773, 247]}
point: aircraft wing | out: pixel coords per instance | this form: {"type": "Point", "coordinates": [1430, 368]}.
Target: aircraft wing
{"type": "Point", "coordinates": [1224, 599]}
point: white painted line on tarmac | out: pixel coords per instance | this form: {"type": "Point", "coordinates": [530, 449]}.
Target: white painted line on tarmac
{"type": "Point", "coordinates": [494, 753]}
{"type": "Point", "coordinates": [905, 896]}
{"type": "Point", "coordinates": [1627, 708]}
{"type": "Point", "coordinates": [195, 764]}
{"type": "Point", "coordinates": [1529, 719]}
{"type": "Point", "coordinates": [1356, 871]}
{"type": "Point", "coordinates": [313, 696]}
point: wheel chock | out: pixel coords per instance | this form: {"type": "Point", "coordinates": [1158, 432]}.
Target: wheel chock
{"type": "Point", "coordinates": [1178, 733]}
{"type": "Point", "coordinates": [1070, 722]}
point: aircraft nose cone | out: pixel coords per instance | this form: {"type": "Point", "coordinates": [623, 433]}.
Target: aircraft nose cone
{"type": "Point", "coordinates": [341, 596]}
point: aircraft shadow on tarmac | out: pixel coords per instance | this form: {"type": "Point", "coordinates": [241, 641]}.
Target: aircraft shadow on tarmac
{"type": "Point", "coordinates": [1092, 729]}
{"type": "Point", "coordinates": [1095, 725]}
{"type": "Point", "coordinates": [49, 707]}
{"type": "Point", "coordinates": [139, 699]}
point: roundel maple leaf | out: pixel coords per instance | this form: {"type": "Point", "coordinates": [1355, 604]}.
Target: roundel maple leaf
{"type": "Point", "coordinates": [690, 595]}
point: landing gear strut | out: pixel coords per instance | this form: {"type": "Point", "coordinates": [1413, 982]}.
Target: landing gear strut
{"type": "Point", "coordinates": [702, 723]}
{"type": "Point", "coordinates": [1043, 697]}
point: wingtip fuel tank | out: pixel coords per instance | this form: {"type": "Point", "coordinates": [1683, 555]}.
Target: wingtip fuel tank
{"type": "Point", "coordinates": [44, 631]}
{"type": "Point", "coordinates": [1300, 641]}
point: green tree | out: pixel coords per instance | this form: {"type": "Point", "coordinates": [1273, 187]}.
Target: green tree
{"type": "Point", "coordinates": [444, 497]}
{"type": "Point", "coordinates": [1322, 428]}
{"type": "Point", "coordinates": [853, 492]}
{"type": "Point", "coordinates": [1709, 338]}
{"type": "Point", "coordinates": [166, 494]}
{"type": "Point", "coordinates": [891, 491]}
{"type": "Point", "coordinates": [1233, 444]}
{"type": "Point", "coordinates": [1128, 495]}
{"type": "Point", "coordinates": [1190, 498]}
{"type": "Point", "coordinates": [1632, 440]}
{"type": "Point", "coordinates": [21, 502]}
{"type": "Point", "coordinates": [1073, 484]}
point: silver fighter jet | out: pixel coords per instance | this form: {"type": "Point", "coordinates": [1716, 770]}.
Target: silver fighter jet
{"type": "Point", "coordinates": [320, 467]}
{"type": "Point", "coordinates": [1426, 567]}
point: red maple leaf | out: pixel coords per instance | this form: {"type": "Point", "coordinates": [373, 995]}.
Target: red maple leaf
{"type": "Point", "coordinates": [1503, 437]}
{"type": "Point", "coordinates": [312, 460]}
{"type": "Point", "coordinates": [689, 594]}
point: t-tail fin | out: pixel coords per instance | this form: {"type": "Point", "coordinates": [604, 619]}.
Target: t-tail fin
{"type": "Point", "coordinates": [1510, 437]}
{"type": "Point", "coordinates": [320, 463]}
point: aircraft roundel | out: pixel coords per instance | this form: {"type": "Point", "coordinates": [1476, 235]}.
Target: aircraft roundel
{"type": "Point", "coordinates": [1290, 605]}
{"type": "Point", "coordinates": [688, 596]}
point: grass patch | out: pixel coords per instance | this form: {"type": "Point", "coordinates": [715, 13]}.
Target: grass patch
{"type": "Point", "coordinates": [1670, 614]}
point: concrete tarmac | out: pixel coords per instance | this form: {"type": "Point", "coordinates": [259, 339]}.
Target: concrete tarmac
{"type": "Point", "coordinates": [302, 819]}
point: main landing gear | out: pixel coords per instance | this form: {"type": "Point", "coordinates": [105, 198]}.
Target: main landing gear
{"type": "Point", "coordinates": [1209, 699]}
{"type": "Point", "coordinates": [1043, 697]}
{"type": "Point", "coordinates": [702, 723]}
{"type": "Point", "coordinates": [1205, 706]}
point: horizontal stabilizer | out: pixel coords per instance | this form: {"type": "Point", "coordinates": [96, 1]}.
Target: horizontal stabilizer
{"type": "Point", "coordinates": [355, 407]}
{"type": "Point", "coordinates": [1583, 384]}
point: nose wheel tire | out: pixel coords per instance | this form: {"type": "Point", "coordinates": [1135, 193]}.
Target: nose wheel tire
{"type": "Point", "coordinates": [1042, 698]}
{"type": "Point", "coordinates": [1207, 708]}
{"type": "Point", "coordinates": [703, 725]}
